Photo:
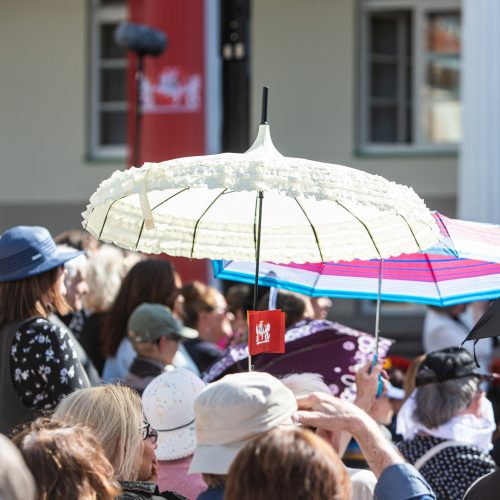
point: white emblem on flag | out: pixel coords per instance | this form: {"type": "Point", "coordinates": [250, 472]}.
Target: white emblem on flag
{"type": "Point", "coordinates": [174, 90]}
{"type": "Point", "coordinates": [263, 333]}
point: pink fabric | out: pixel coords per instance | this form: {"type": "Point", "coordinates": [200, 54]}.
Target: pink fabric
{"type": "Point", "coordinates": [173, 476]}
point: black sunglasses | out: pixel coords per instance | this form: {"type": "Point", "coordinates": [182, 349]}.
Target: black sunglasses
{"type": "Point", "coordinates": [149, 433]}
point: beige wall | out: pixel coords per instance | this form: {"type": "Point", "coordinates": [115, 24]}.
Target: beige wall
{"type": "Point", "coordinates": [43, 107]}
{"type": "Point", "coordinates": [305, 50]}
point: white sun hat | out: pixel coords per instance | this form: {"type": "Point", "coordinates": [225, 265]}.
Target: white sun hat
{"type": "Point", "coordinates": [234, 410]}
{"type": "Point", "coordinates": [168, 403]}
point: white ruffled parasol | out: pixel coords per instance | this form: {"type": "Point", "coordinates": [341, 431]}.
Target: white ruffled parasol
{"type": "Point", "coordinates": [260, 205]}
{"type": "Point", "coordinates": [208, 207]}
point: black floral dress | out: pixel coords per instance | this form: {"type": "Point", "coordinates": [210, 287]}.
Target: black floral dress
{"type": "Point", "coordinates": [43, 365]}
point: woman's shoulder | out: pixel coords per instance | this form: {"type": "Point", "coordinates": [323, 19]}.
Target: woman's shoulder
{"type": "Point", "coordinates": [38, 324]}
{"type": "Point", "coordinates": [414, 448]}
{"type": "Point", "coordinates": [33, 329]}
{"type": "Point", "coordinates": [40, 331]}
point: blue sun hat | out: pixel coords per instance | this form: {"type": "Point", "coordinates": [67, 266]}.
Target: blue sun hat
{"type": "Point", "coordinates": [26, 251]}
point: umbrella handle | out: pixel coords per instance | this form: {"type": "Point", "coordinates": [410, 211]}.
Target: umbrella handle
{"type": "Point", "coordinates": [257, 262]}
{"type": "Point", "coordinates": [380, 387]}
{"type": "Point", "coordinates": [377, 315]}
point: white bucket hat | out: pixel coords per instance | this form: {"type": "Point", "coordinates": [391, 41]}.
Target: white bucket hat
{"type": "Point", "coordinates": [168, 403]}
{"type": "Point", "coordinates": [233, 410]}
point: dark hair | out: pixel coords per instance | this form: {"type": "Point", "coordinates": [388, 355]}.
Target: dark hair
{"type": "Point", "coordinates": [198, 297]}
{"type": "Point", "coordinates": [239, 297]}
{"type": "Point", "coordinates": [287, 463]}
{"type": "Point", "coordinates": [292, 304]}
{"type": "Point", "coordinates": [66, 461]}
{"type": "Point", "coordinates": [34, 296]}
{"type": "Point", "coordinates": [396, 377]}
{"type": "Point", "coordinates": [151, 280]}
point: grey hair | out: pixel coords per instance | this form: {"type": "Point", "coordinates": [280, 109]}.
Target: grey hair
{"type": "Point", "coordinates": [74, 265]}
{"type": "Point", "coordinates": [438, 403]}
{"type": "Point", "coordinates": [105, 271]}
{"type": "Point", "coordinates": [302, 384]}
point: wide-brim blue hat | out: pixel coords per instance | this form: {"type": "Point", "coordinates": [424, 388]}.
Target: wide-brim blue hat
{"type": "Point", "coordinates": [26, 251]}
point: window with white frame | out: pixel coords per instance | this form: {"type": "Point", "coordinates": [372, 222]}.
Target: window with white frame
{"type": "Point", "coordinates": [410, 75]}
{"type": "Point", "coordinates": [107, 136]}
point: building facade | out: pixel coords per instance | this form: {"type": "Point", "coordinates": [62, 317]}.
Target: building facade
{"type": "Point", "coordinates": [372, 84]}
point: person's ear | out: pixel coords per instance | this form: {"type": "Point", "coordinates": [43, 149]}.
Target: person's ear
{"type": "Point", "coordinates": [161, 343]}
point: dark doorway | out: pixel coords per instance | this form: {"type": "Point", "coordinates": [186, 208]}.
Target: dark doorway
{"type": "Point", "coordinates": [235, 51]}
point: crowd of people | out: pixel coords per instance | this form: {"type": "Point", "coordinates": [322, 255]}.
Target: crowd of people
{"type": "Point", "coordinates": [102, 354]}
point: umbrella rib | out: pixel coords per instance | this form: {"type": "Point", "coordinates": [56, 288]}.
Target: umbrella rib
{"type": "Point", "coordinates": [313, 229]}
{"type": "Point", "coordinates": [170, 197]}
{"type": "Point", "coordinates": [201, 216]}
{"type": "Point", "coordinates": [411, 231]}
{"type": "Point", "coordinates": [107, 213]}
{"type": "Point", "coordinates": [434, 277]}
{"type": "Point", "coordinates": [155, 207]}
{"type": "Point", "coordinates": [140, 234]}
{"type": "Point", "coordinates": [363, 224]}
{"type": "Point", "coordinates": [447, 234]}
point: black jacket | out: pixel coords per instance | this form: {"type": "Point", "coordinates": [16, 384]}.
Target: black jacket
{"type": "Point", "coordinates": [143, 490]}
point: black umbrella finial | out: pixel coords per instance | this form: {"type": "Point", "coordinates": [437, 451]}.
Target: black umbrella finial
{"type": "Point", "coordinates": [263, 119]}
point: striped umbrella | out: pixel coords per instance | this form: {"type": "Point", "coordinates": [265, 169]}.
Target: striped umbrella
{"type": "Point", "coordinates": [437, 277]}
{"type": "Point", "coordinates": [466, 239]}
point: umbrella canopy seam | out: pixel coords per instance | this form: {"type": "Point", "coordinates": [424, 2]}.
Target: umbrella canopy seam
{"type": "Point", "coordinates": [411, 231]}
{"type": "Point", "coordinates": [313, 229]}
{"type": "Point", "coordinates": [363, 224]}
{"type": "Point", "coordinates": [107, 213]}
{"type": "Point", "coordinates": [201, 217]}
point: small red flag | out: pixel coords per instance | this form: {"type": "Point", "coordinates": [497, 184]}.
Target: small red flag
{"type": "Point", "coordinates": [266, 331]}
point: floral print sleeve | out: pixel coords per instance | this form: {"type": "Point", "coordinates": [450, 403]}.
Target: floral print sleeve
{"type": "Point", "coordinates": [43, 365]}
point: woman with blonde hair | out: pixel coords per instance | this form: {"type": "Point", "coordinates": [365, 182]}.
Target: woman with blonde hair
{"type": "Point", "coordinates": [66, 461]}
{"type": "Point", "coordinates": [114, 414]}
{"type": "Point", "coordinates": [38, 362]}
{"type": "Point", "coordinates": [287, 463]}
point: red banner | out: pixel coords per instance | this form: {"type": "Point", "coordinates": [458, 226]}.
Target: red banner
{"type": "Point", "coordinates": [173, 93]}
{"type": "Point", "coordinates": [266, 331]}
{"type": "Point", "coordinates": [173, 99]}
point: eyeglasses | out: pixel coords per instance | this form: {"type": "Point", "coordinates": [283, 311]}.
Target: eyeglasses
{"type": "Point", "coordinates": [149, 433]}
